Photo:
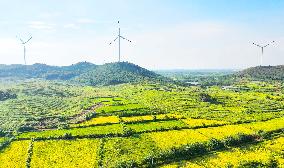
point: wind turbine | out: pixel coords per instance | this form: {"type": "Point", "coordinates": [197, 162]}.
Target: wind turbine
{"type": "Point", "coordinates": [119, 37]}
{"type": "Point", "coordinates": [262, 48]}
{"type": "Point", "coordinates": [24, 44]}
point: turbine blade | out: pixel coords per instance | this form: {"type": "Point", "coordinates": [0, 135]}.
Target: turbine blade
{"type": "Point", "coordinates": [20, 39]}
{"type": "Point", "coordinates": [256, 45]}
{"type": "Point", "coordinates": [125, 39]}
{"type": "Point", "coordinates": [266, 45]}
{"type": "Point", "coordinates": [113, 40]}
{"type": "Point", "coordinates": [28, 40]}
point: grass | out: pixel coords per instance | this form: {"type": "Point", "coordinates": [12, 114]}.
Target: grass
{"type": "Point", "coordinates": [80, 132]}
{"type": "Point", "coordinates": [159, 125]}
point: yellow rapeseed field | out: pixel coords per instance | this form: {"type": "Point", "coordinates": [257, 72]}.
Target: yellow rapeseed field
{"type": "Point", "coordinates": [202, 122]}
{"type": "Point", "coordinates": [99, 120]}
{"type": "Point", "coordinates": [65, 153]}
{"type": "Point", "coordinates": [176, 138]}
{"type": "Point", "coordinates": [15, 155]}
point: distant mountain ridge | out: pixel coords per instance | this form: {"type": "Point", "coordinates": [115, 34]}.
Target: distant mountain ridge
{"type": "Point", "coordinates": [263, 73]}
{"type": "Point", "coordinates": [84, 72]}
{"type": "Point", "coordinates": [45, 71]}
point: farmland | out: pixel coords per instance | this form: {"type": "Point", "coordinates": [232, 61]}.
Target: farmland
{"type": "Point", "coordinates": [145, 124]}
{"type": "Point", "coordinates": [142, 84]}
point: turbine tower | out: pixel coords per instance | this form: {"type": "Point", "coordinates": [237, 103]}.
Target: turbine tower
{"type": "Point", "coordinates": [119, 37]}
{"type": "Point", "coordinates": [24, 44]}
{"type": "Point", "coordinates": [262, 48]}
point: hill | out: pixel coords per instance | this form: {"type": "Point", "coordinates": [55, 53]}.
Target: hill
{"type": "Point", "coordinates": [259, 73]}
{"type": "Point", "coordinates": [116, 73]}
{"type": "Point", "coordinates": [69, 72]}
{"type": "Point", "coordinates": [45, 71]}
{"type": "Point", "coordinates": [83, 72]}
{"type": "Point", "coordinates": [263, 73]}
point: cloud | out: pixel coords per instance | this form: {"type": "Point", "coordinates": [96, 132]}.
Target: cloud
{"type": "Point", "coordinates": [78, 23]}
{"type": "Point", "coordinates": [4, 22]}
{"type": "Point", "coordinates": [40, 25]}
{"type": "Point", "coordinates": [71, 26]}
{"type": "Point", "coordinates": [48, 15]}
{"type": "Point", "coordinates": [85, 20]}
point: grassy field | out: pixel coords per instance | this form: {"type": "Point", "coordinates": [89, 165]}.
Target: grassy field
{"type": "Point", "coordinates": [54, 124]}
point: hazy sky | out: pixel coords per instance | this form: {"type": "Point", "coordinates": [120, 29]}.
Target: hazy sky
{"type": "Point", "coordinates": [166, 34]}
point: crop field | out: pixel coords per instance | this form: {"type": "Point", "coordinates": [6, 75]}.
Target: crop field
{"type": "Point", "coordinates": [142, 125]}
{"type": "Point", "coordinates": [265, 154]}
{"type": "Point", "coordinates": [64, 153]}
{"type": "Point", "coordinates": [15, 155]}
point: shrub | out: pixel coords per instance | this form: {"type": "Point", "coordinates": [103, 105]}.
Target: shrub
{"type": "Point", "coordinates": [25, 129]}
{"type": "Point", "coordinates": [67, 136]}
{"type": "Point", "coordinates": [215, 144]}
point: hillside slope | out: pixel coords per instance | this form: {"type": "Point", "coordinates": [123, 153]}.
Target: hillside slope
{"type": "Point", "coordinates": [116, 73]}
{"type": "Point", "coordinates": [263, 73]}
{"type": "Point", "coordinates": [45, 71]}
{"type": "Point", "coordinates": [83, 72]}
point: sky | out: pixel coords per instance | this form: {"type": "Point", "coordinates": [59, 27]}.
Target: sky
{"type": "Point", "coordinates": [165, 34]}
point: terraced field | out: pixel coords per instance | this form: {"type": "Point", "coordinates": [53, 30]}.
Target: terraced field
{"type": "Point", "coordinates": [268, 153]}
{"type": "Point", "coordinates": [125, 146]}
{"type": "Point", "coordinates": [155, 125]}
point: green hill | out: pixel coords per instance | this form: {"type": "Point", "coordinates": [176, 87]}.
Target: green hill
{"type": "Point", "coordinates": [45, 71]}
{"type": "Point", "coordinates": [263, 73]}
{"type": "Point", "coordinates": [69, 72]}
{"type": "Point", "coordinates": [83, 72]}
{"type": "Point", "coordinates": [116, 73]}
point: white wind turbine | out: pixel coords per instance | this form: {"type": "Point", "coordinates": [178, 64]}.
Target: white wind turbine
{"type": "Point", "coordinates": [24, 44]}
{"type": "Point", "coordinates": [119, 37]}
{"type": "Point", "coordinates": [262, 48]}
